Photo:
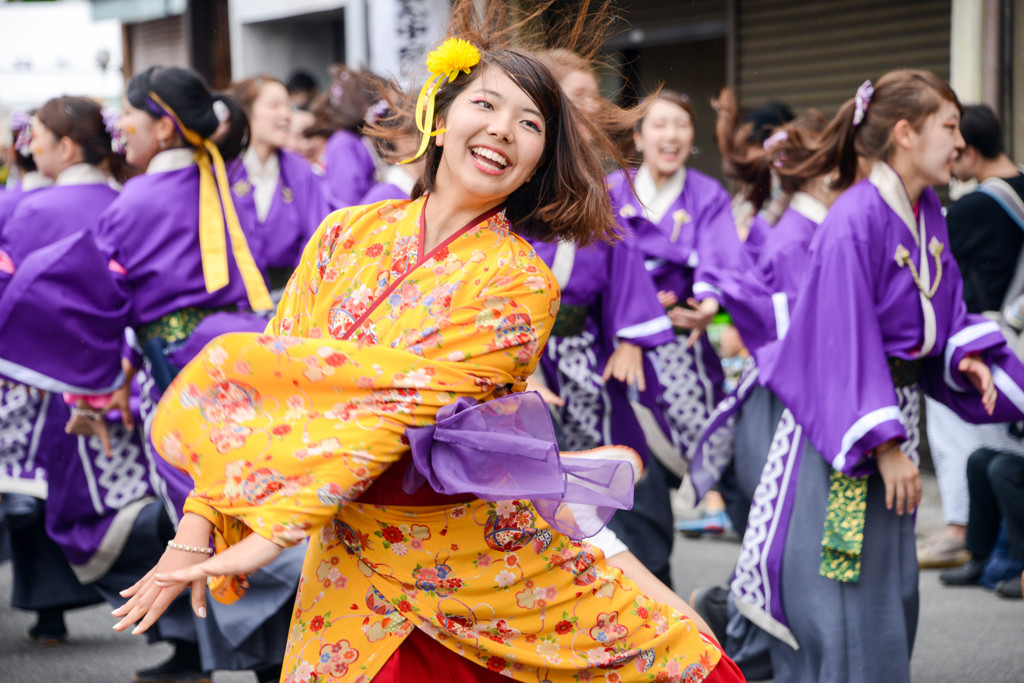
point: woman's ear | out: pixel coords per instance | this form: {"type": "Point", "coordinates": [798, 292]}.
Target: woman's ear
{"type": "Point", "coordinates": [636, 141]}
{"type": "Point", "coordinates": [439, 138]}
{"type": "Point", "coordinates": [164, 130]}
{"type": "Point", "coordinates": [69, 151]}
{"type": "Point", "coordinates": [903, 134]}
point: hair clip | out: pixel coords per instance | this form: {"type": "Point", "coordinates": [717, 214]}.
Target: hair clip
{"type": "Point", "coordinates": [861, 102]}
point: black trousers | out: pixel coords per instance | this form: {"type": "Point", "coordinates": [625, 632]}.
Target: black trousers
{"type": "Point", "coordinates": [995, 480]}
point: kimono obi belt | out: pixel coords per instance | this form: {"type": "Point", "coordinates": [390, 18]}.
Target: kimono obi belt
{"type": "Point", "coordinates": [905, 373]}
{"type": "Point", "coordinates": [176, 325]}
{"type": "Point", "coordinates": [505, 449]}
{"type": "Point", "coordinates": [571, 321]}
{"type": "Point", "coordinates": [843, 539]}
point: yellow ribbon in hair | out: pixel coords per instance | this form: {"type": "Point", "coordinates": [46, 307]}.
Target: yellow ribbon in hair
{"type": "Point", "coordinates": [453, 55]}
{"type": "Point", "coordinates": [217, 211]}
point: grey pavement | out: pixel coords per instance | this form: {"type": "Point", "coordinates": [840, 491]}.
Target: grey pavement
{"type": "Point", "coordinates": [965, 634]}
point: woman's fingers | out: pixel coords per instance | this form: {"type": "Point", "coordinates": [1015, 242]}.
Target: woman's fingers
{"type": "Point", "coordinates": [134, 588]}
{"type": "Point", "coordinates": [159, 605]}
{"type": "Point", "coordinates": [199, 598]}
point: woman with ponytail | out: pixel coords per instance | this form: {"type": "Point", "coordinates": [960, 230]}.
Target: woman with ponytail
{"type": "Point", "coordinates": [829, 565]}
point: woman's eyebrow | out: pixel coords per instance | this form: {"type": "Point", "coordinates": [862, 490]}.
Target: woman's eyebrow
{"type": "Point", "coordinates": [496, 95]}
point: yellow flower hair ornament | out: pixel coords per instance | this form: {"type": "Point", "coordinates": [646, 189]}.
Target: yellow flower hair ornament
{"type": "Point", "coordinates": [447, 61]}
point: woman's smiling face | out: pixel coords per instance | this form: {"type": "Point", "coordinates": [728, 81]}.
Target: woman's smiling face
{"type": "Point", "coordinates": [493, 139]}
{"type": "Point", "coordinates": [665, 138]}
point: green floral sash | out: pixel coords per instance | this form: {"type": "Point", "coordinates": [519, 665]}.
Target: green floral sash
{"type": "Point", "coordinates": [843, 540]}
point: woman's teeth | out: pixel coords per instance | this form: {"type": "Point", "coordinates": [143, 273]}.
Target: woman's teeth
{"type": "Point", "coordinates": [490, 155]}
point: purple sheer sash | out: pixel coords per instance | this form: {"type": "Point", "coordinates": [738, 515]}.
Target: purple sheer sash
{"type": "Point", "coordinates": [505, 449]}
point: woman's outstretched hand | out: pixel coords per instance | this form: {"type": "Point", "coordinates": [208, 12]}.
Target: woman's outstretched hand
{"type": "Point", "coordinates": [980, 376]}
{"type": "Point", "coordinates": [179, 569]}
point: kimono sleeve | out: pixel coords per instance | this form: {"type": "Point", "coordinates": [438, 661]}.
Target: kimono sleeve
{"type": "Point", "coordinates": [278, 433]}
{"type": "Point", "coordinates": [630, 308]}
{"type": "Point", "coordinates": [831, 369]}
{"type": "Point", "coordinates": [975, 335]}
{"type": "Point", "coordinates": [718, 247]}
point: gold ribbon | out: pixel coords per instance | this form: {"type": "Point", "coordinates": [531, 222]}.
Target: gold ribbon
{"type": "Point", "coordinates": [216, 211]}
{"type": "Point", "coordinates": [447, 61]}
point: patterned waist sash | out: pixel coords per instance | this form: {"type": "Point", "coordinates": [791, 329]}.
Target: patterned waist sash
{"type": "Point", "coordinates": [570, 321]}
{"type": "Point", "coordinates": [843, 538]}
{"type": "Point", "coordinates": [177, 325]}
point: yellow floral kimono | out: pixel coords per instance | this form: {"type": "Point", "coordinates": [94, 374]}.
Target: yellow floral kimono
{"type": "Point", "coordinates": [283, 431]}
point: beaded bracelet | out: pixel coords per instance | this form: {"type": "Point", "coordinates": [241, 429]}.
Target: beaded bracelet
{"type": "Point", "coordinates": [87, 413]}
{"type": "Point", "coordinates": [190, 548]}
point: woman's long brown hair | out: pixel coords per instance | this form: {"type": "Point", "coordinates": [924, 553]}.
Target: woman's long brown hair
{"type": "Point", "coordinates": [566, 199]}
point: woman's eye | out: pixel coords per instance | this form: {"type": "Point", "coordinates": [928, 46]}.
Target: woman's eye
{"type": "Point", "coordinates": [532, 125]}
{"type": "Point", "coordinates": [482, 103]}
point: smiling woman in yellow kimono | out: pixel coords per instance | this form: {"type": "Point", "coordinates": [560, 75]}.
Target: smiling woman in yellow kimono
{"type": "Point", "coordinates": [397, 311]}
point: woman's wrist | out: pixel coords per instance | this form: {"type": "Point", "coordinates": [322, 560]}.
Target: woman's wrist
{"type": "Point", "coordinates": [193, 530]}
{"type": "Point", "coordinates": [886, 449]}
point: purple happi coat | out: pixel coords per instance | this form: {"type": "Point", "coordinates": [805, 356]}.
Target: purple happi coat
{"type": "Point", "coordinates": [604, 288]}
{"type": "Point", "coordinates": [298, 205]}
{"type": "Point", "coordinates": [880, 283]}
{"type": "Point", "coordinates": [760, 299]}
{"type": "Point", "coordinates": [31, 182]}
{"type": "Point", "coordinates": [27, 419]}
{"type": "Point", "coordinates": [140, 263]}
{"type": "Point", "coordinates": [92, 498]}
{"type": "Point", "coordinates": [686, 234]}
{"type": "Point", "coordinates": [348, 170]}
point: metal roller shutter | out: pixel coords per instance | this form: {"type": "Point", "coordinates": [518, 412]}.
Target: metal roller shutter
{"type": "Point", "coordinates": [159, 42]}
{"type": "Point", "coordinates": [810, 53]}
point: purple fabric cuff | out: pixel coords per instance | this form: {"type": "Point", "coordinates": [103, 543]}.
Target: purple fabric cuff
{"type": "Point", "coordinates": [505, 449]}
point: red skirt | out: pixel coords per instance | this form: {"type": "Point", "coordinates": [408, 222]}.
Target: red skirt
{"type": "Point", "coordinates": [421, 658]}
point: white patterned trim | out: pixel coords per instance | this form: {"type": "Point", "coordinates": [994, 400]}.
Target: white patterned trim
{"type": "Point", "coordinates": [861, 427]}
{"type": "Point", "coordinates": [961, 339]}
{"type": "Point", "coordinates": [584, 416]}
{"type": "Point", "coordinates": [750, 585]}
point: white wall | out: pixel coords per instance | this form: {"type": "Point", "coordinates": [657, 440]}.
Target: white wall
{"type": "Point", "coordinates": [33, 70]}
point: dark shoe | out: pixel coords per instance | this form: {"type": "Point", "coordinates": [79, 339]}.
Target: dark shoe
{"type": "Point", "coordinates": [182, 667]}
{"type": "Point", "coordinates": [965, 575]}
{"type": "Point", "coordinates": [1010, 589]}
{"type": "Point", "coordinates": [39, 637]}
{"type": "Point", "coordinates": [712, 604]}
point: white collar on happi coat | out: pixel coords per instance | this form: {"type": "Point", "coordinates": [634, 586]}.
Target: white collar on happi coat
{"type": "Point", "coordinates": [893, 192]}
{"type": "Point", "coordinates": [395, 175]}
{"type": "Point", "coordinates": [656, 201]}
{"type": "Point", "coordinates": [82, 174]}
{"type": "Point", "coordinates": [171, 160]}
{"type": "Point", "coordinates": [809, 206]}
{"type": "Point", "coordinates": [34, 180]}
